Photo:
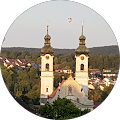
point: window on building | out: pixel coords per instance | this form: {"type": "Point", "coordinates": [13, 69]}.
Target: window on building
{"type": "Point", "coordinates": [47, 67]}
{"type": "Point", "coordinates": [46, 89]}
{"type": "Point", "coordinates": [78, 100]}
{"type": "Point", "coordinates": [69, 90]}
{"type": "Point", "coordinates": [82, 66]}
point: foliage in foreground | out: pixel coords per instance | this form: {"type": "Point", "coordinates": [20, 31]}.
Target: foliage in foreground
{"type": "Point", "coordinates": [61, 109]}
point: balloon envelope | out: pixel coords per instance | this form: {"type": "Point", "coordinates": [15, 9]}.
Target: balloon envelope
{"type": "Point", "coordinates": [69, 20]}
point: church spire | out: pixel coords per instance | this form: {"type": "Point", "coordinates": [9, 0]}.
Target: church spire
{"type": "Point", "coordinates": [82, 37]}
{"type": "Point", "coordinates": [47, 37]}
{"type": "Point", "coordinates": [82, 27]}
{"type": "Point", "coordinates": [47, 49]}
{"type": "Point", "coordinates": [47, 29]}
{"type": "Point", "coordinates": [82, 48]}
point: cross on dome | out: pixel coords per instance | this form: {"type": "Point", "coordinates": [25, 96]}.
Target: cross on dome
{"type": "Point", "coordinates": [70, 72]}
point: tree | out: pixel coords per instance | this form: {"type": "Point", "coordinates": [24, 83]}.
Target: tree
{"type": "Point", "coordinates": [32, 73]}
{"type": "Point", "coordinates": [22, 75]}
{"type": "Point", "coordinates": [61, 108]}
{"type": "Point", "coordinates": [38, 60]}
{"type": "Point", "coordinates": [100, 62]}
{"type": "Point", "coordinates": [106, 62]}
{"type": "Point", "coordinates": [22, 88]}
{"type": "Point", "coordinates": [56, 60]}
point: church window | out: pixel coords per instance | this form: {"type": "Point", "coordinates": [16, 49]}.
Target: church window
{"type": "Point", "coordinates": [47, 67]}
{"type": "Point", "coordinates": [78, 100]}
{"type": "Point", "coordinates": [46, 89]}
{"type": "Point", "coordinates": [69, 90]}
{"type": "Point", "coordinates": [82, 66]}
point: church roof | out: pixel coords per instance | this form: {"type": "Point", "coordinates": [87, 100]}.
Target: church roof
{"type": "Point", "coordinates": [47, 49]}
{"type": "Point", "coordinates": [53, 94]}
{"type": "Point", "coordinates": [82, 49]}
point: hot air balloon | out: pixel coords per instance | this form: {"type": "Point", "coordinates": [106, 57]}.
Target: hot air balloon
{"type": "Point", "coordinates": [69, 20]}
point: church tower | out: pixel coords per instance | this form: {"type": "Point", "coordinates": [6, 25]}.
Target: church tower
{"type": "Point", "coordinates": [81, 55]}
{"type": "Point", "coordinates": [46, 70]}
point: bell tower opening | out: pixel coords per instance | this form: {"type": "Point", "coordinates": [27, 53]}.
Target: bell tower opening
{"type": "Point", "coordinates": [47, 67]}
{"type": "Point", "coordinates": [82, 67]}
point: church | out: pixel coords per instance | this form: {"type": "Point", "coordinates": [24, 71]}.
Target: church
{"type": "Point", "coordinates": [75, 90]}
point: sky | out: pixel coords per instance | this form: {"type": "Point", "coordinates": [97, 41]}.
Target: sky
{"type": "Point", "coordinates": [29, 28]}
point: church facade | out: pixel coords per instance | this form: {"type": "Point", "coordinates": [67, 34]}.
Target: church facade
{"type": "Point", "coordinates": [75, 90]}
{"type": "Point", "coordinates": [72, 90]}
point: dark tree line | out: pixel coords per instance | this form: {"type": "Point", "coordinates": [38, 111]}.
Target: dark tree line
{"type": "Point", "coordinates": [113, 49]}
{"type": "Point", "coordinates": [96, 61]}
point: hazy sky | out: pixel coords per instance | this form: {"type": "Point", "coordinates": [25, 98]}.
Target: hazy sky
{"type": "Point", "coordinates": [29, 29]}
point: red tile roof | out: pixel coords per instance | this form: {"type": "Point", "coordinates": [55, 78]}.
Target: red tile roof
{"type": "Point", "coordinates": [54, 92]}
{"type": "Point", "coordinates": [96, 104]}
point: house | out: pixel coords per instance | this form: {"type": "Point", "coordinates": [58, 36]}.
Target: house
{"type": "Point", "coordinates": [102, 86]}
{"type": "Point", "coordinates": [110, 74]}
{"type": "Point", "coordinates": [21, 62]}
{"type": "Point", "coordinates": [94, 73]}
{"type": "Point", "coordinates": [63, 70]}
{"type": "Point", "coordinates": [9, 63]}
{"type": "Point", "coordinates": [91, 87]}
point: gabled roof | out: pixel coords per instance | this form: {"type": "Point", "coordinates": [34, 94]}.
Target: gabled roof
{"type": "Point", "coordinates": [54, 92]}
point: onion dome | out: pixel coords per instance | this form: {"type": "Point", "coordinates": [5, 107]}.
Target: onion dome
{"type": "Point", "coordinates": [82, 49]}
{"type": "Point", "coordinates": [47, 49]}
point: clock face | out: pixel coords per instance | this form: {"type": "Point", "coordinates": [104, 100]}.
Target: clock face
{"type": "Point", "coordinates": [82, 57]}
{"type": "Point", "coordinates": [47, 57]}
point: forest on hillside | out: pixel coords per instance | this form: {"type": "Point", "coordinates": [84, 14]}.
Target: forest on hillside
{"type": "Point", "coordinates": [95, 50]}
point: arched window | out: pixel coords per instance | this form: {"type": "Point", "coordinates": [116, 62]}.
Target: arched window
{"type": "Point", "coordinates": [82, 66]}
{"type": "Point", "coordinates": [69, 90]}
{"type": "Point", "coordinates": [47, 67]}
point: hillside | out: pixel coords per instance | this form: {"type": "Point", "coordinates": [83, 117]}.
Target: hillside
{"type": "Point", "coordinates": [95, 50]}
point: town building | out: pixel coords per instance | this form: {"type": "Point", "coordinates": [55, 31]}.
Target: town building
{"type": "Point", "coordinates": [63, 70]}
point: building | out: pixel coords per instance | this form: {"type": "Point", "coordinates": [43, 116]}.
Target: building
{"type": "Point", "coordinates": [72, 90]}
{"type": "Point", "coordinates": [63, 70]}
{"type": "Point", "coordinates": [46, 70]}
{"type": "Point", "coordinates": [81, 74]}
{"type": "Point", "coordinates": [75, 90]}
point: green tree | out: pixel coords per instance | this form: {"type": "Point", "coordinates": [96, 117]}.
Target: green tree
{"type": "Point", "coordinates": [22, 88]}
{"type": "Point", "coordinates": [32, 73]}
{"type": "Point", "coordinates": [106, 62]}
{"type": "Point", "coordinates": [38, 60]}
{"type": "Point", "coordinates": [61, 109]}
{"type": "Point", "coordinates": [22, 75]}
{"type": "Point", "coordinates": [100, 62]}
